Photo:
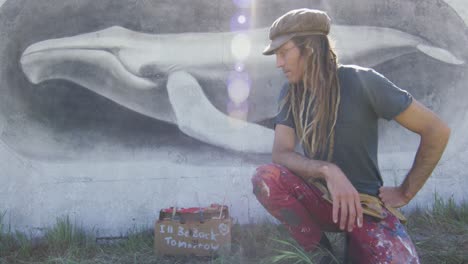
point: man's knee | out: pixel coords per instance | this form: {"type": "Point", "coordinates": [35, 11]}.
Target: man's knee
{"type": "Point", "coordinates": [262, 178]}
{"type": "Point", "coordinates": [382, 241]}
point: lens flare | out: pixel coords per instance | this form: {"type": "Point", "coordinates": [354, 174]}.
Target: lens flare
{"type": "Point", "coordinates": [238, 91]}
{"type": "Point", "coordinates": [240, 46]}
{"type": "Point", "coordinates": [239, 67]}
{"type": "Point", "coordinates": [241, 19]}
{"type": "Point", "coordinates": [238, 87]}
{"type": "Point", "coordinates": [238, 111]}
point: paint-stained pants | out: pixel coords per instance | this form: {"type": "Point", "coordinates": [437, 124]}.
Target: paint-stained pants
{"type": "Point", "coordinates": [301, 208]}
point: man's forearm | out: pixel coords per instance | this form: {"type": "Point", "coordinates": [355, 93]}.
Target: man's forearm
{"type": "Point", "coordinates": [430, 150]}
{"type": "Point", "coordinates": [302, 166]}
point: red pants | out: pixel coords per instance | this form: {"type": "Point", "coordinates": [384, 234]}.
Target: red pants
{"type": "Point", "coordinates": [301, 208]}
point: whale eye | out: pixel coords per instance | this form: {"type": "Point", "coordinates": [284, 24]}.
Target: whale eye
{"type": "Point", "coordinates": [152, 71]}
{"type": "Point", "coordinates": [155, 74]}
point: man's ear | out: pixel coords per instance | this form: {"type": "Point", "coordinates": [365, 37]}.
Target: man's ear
{"type": "Point", "coordinates": [309, 50]}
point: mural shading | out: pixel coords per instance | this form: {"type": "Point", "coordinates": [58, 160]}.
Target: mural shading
{"type": "Point", "coordinates": [131, 96]}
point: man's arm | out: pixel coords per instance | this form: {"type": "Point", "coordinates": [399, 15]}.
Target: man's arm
{"type": "Point", "coordinates": [434, 135]}
{"type": "Point", "coordinates": [284, 154]}
{"type": "Point", "coordinates": [345, 197]}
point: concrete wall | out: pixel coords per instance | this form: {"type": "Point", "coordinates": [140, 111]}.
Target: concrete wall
{"type": "Point", "coordinates": [97, 125]}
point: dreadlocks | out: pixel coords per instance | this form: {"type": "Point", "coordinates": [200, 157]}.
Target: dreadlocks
{"type": "Point", "coordinates": [314, 102]}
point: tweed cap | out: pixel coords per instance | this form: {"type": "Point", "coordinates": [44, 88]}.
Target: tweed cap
{"type": "Point", "coordinates": [297, 22]}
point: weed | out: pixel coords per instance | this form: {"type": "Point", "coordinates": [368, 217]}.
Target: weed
{"type": "Point", "coordinates": [440, 232]}
{"type": "Point", "coordinates": [24, 244]}
{"type": "Point", "coordinates": [7, 239]}
{"type": "Point", "coordinates": [66, 238]}
{"type": "Point", "coordinates": [138, 239]}
{"type": "Point", "coordinates": [291, 252]}
{"type": "Point", "coordinates": [449, 210]}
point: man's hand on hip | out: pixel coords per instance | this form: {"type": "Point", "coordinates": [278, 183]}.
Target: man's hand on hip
{"type": "Point", "coordinates": [393, 196]}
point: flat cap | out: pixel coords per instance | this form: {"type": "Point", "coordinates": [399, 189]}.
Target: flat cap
{"type": "Point", "coordinates": [297, 22]}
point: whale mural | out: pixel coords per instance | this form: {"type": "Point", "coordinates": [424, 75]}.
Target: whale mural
{"type": "Point", "coordinates": [137, 57]}
{"type": "Point", "coordinates": [106, 104]}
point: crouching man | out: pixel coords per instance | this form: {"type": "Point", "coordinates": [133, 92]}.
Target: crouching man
{"type": "Point", "coordinates": [333, 111]}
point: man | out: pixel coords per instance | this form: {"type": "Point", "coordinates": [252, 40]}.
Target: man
{"type": "Point", "coordinates": [333, 111]}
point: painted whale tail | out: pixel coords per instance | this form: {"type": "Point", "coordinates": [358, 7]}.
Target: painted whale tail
{"type": "Point", "coordinates": [440, 54]}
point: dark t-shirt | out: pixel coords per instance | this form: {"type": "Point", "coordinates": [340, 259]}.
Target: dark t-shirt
{"type": "Point", "coordinates": [366, 96]}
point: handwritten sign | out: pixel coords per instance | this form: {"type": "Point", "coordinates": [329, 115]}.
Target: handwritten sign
{"type": "Point", "coordinates": [202, 239]}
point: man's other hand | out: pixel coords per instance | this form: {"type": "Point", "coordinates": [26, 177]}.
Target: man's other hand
{"type": "Point", "coordinates": [346, 202]}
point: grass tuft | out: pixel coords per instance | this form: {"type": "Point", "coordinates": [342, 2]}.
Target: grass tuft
{"type": "Point", "coordinates": [138, 240]}
{"type": "Point", "coordinates": [7, 239]}
{"type": "Point", "coordinates": [67, 239]}
{"type": "Point", "coordinates": [450, 211]}
{"type": "Point", "coordinates": [24, 244]}
{"type": "Point", "coordinates": [293, 255]}
{"type": "Point", "coordinates": [440, 232]}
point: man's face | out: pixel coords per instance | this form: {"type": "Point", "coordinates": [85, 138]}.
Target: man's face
{"type": "Point", "coordinates": [289, 59]}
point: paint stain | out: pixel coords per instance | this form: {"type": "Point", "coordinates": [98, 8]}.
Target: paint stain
{"type": "Point", "coordinates": [400, 231]}
{"type": "Point", "coordinates": [256, 190]}
{"type": "Point", "coordinates": [264, 189]}
{"type": "Point", "coordinates": [290, 217]}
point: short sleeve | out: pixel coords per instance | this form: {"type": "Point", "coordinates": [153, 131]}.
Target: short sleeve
{"type": "Point", "coordinates": [387, 99]}
{"type": "Point", "coordinates": [282, 116]}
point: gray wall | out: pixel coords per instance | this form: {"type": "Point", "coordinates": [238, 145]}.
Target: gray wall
{"type": "Point", "coordinates": [112, 159]}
